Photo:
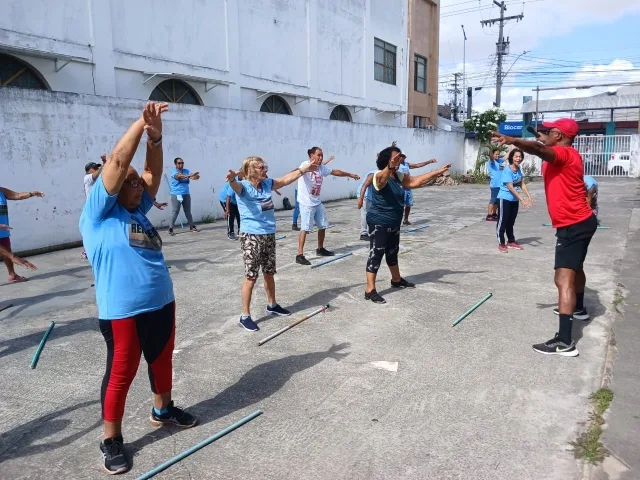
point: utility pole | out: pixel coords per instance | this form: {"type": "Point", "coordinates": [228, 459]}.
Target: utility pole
{"type": "Point", "coordinates": [502, 45]}
{"type": "Point", "coordinates": [464, 62]}
{"type": "Point", "coordinates": [455, 92]}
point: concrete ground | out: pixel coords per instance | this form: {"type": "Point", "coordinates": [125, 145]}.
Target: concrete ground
{"type": "Point", "coordinates": [470, 402]}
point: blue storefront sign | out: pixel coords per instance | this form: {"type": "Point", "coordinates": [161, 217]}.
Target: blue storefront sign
{"type": "Point", "coordinates": [513, 129]}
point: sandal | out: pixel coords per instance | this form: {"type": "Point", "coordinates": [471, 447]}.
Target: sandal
{"type": "Point", "coordinates": [17, 279]}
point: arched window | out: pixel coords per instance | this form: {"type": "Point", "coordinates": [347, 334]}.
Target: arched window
{"type": "Point", "coordinates": [340, 113]}
{"type": "Point", "coordinates": [16, 73]}
{"type": "Point", "coordinates": [175, 91]}
{"type": "Point", "coordinates": [275, 104]}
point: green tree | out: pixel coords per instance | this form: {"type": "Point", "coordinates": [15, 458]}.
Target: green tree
{"type": "Point", "coordinates": [483, 124]}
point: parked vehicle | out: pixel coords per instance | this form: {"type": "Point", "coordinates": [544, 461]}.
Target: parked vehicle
{"type": "Point", "coordinates": [619, 164]}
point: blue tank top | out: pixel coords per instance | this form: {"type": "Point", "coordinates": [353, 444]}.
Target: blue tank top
{"type": "Point", "coordinates": [387, 204]}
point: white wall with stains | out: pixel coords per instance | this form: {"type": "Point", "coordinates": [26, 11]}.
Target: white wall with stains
{"type": "Point", "coordinates": [315, 53]}
{"type": "Point", "coordinates": [46, 138]}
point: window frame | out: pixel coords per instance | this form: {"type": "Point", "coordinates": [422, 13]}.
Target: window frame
{"type": "Point", "coordinates": [340, 110]}
{"type": "Point", "coordinates": [162, 89]}
{"type": "Point", "coordinates": [284, 104]}
{"type": "Point", "coordinates": [27, 70]}
{"type": "Point", "coordinates": [416, 77]}
{"type": "Point", "coordinates": [388, 50]}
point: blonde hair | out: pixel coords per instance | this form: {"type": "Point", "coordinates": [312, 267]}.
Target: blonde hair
{"type": "Point", "coordinates": [249, 166]}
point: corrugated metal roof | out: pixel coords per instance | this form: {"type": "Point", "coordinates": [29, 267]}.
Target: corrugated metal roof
{"type": "Point", "coordinates": [605, 102]}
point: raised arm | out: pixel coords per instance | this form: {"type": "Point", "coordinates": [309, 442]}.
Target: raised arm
{"type": "Point", "coordinates": [114, 171]}
{"type": "Point", "coordinates": [235, 185]}
{"type": "Point", "coordinates": [422, 164]}
{"type": "Point", "coordinates": [11, 195]}
{"type": "Point", "coordinates": [293, 175]}
{"type": "Point", "coordinates": [367, 183]}
{"type": "Point", "coordinates": [418, 181]}
{"type": "Point", "coordinates": [532, 147]}
{"type": "Point", "coordinates": [382, 177]}
{"type": "Point", "coordinates": [340, 173]}
{"type": "Point", "coordinates": [329, 160]}
{"type": "Point", "coordinates": [152, 173]}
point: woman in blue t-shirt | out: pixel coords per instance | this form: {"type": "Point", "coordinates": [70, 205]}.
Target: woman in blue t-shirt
{"type": "Point", "coordinates": [258, 229]}
{"type": "Point", "coordinates": [385, 216]}
{"type": "Point", "coordinates": [510, 198]}
{"type": "Point", "coordinates": [134, 292]}
{"type": "Point", "coordinates": [180, 196]}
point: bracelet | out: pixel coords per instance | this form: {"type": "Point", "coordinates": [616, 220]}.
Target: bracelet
{"type": "Point", "coordinates": [155, 144]}
{"type": "Point", "coordinates": [30, 195]}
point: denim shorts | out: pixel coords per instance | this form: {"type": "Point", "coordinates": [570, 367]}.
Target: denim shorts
{"type": "Point", "coordinates": [494, 196]}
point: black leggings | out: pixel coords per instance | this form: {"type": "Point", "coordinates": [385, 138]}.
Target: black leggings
{"type": "Point", "coordinates": [383, 241]}
{"type": "Point", "coordinates": [234, 213]}
{"type": "Point", "coordinates": [506, 220]}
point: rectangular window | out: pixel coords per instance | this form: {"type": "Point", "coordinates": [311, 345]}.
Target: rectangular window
{"type": "Point", "coordinates": [384, 62]}
{"type": "Point", "coordinates": [420, 74]}
{"type": "Point", "coordinates": [419, 122]}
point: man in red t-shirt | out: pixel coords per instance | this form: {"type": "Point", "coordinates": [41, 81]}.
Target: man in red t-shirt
{"type": "Point", "coordinates": [563, 174]}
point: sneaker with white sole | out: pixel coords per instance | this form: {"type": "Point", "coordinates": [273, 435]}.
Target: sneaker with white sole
{"type": "Point", "coordinates": [557, 347]}
{"type": "Point", "coordinates": [581, 314]}
{"type": "Point", "coordinates": [115, 461]}
{"type": "Point", "coordinates": [175, 416]}
{"type": "Point", "coordinates": [248, 324]}
{"type": "Point", "coordinates": [278, 310]}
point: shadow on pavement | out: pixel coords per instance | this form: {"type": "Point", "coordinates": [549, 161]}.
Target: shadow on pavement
{"type": "Point", "coordinates": [257, 384]}
{"type": "Point", "coordinates": [24, 302]}
{"type": "Point", "coordinates": [15, 345]}
{"type": "Point", "coordinates": [532, 241]}
{"type": "Point", "coordinates": [433, 276]}
{"type": "Point", "coordinates": [18, 441]}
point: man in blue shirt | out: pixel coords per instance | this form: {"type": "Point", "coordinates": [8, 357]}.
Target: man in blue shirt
{"type": "Point", "coordinates": [494, 166]}
{"type": "Point", "coordinates": [180, 196]}
{"type": "Point", "coordinates": [229, 206]}
{"type": "Point", "coordinates": [591, 186]}
{"type": "Point", "coordinates": [5, 236]}
{"type": "Point", "coordinates": [134, 292]}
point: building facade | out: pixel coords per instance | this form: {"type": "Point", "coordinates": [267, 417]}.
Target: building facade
{"type": "Point", "coordinates": [424, 44]}
{"type": "Point", "coordinates": [334, 59]}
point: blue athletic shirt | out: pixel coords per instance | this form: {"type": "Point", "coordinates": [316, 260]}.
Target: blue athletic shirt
{"type": "Point", "coordinates": [227, 191]}
{"type": "Point", "coordinates": [404, 169]}
{"type": "Point", "coordinates": [367, 194]}
{"type": "Point", "coordinates": [4, 215]}
{"type": "Point", "coordinates": [495, 173]}
{"type": "Point", "coordinates": [589, 181]}
{"type": "Point", "coordinates": [125, 252]}
{"type": "Point", "coordinates": [179, 187]}
{"type": "Point", "coordinates": [509, 176]}
{"type": "Point", "coordinates": [257, 214]}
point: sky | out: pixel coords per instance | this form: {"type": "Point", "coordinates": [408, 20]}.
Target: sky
{"type": "Point", "coordinates": [568, 42]}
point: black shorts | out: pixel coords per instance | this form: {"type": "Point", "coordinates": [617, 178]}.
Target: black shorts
{"type": "Point", "coordinates": [573, 243]}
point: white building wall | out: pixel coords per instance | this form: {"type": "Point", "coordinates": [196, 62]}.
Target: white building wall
{"type": "Point", "coordinates": [47, 138]}
{"type": "Point", "coordinates": [320, 50]}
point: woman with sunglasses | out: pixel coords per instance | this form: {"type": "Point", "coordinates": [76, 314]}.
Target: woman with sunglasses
{"type": "Point", "coordinates": [180, 196]}
{"type": "Point", "coordinates": [258, 224]}
{"type": "Point", "coordinates": [134, 291]}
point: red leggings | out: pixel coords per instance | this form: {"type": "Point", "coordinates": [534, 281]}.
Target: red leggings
{"type": "Point", "coordinates": [150, 333]}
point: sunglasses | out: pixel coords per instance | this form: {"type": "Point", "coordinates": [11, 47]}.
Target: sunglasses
{"type": "Point", "coordinates": [134, 183]}
{"type": "Point", "coordinates": [180, 163]}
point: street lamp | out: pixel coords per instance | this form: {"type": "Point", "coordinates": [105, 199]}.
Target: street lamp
{"type": "Point", "coordinates": [464, 62]}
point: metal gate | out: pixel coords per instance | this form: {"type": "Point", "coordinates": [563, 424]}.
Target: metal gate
{"type": "Point", "coordinates": [605, 155]}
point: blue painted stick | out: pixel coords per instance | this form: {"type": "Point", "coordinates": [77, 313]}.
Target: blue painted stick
{"type": "Point", "coordinates": [329, 261]}
{"type": "Point", "coordinates": [415, 229]}
{"type": "Point", "coordinates": [280, 238]}
{"type": "Point", "coordinates": [603, 228]}
{"type": "Point", "coordinates": [36, 356]}
{"type": "Point", "coordinates": [197, 447]}
{"type": "Point", "coordinates": [546, 224]}
{"type": "Point", "coordinates": [468, 312]}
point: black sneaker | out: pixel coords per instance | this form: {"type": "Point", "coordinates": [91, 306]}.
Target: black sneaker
{"type": "Point", "coordinates": [302, 260]}
{"type": "Point", "coordinates": [171, 232]}
{"type": "Point", "coordinates": [556, 347]}
{"type": "Point", "coordinates": [364, 237]}
{"type": "Point", "coordinates": [323, 252]}
{"type": "Point", "coordinates": [249, 324]}
{"type": "Point", "coordinates": [295, 227]}
{"type": "Point", "coordinates": [402, 284]}
{"type": "Point", "coordinates": [278, 310]}
{"type": "Point", "coordinates": [374, 296]}
{"type": "Point", "coordinates": [232, 236]}
{"type": "Point", "coordinates": [194, 229]}
{"type": "Point", "coordinates": [577, 314]}
{"type": "Point", "coordinates": [176, 417]}
{"type": "Point", "coordinates": [115, 461]}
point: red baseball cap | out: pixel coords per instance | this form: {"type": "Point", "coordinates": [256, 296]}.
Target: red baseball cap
{"type": "Point", "coordinates": [567, 126]}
